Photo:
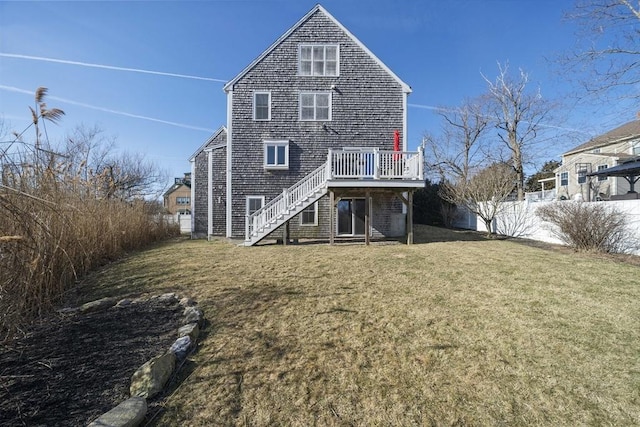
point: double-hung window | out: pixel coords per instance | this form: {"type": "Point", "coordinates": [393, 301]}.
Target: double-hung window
{"type": "Point", "coordinates": [582, 175]}
{"type": "Point", "coordinates": [254, 203]}
{"type": "Point", "coordinates": [315, 106]}
{"type": "Point", "coordinates": [261, 105]}
{"type": "Point", "coordinates": [276, 154]}
{"type": "Point", "coordinates": [601, 168]}
{"type": "Point", "coordinates": [564, 178]}
{"type": "Point", "coordinates": [309, 216]}
{"type": "Point", "coordinates": [319, 60]}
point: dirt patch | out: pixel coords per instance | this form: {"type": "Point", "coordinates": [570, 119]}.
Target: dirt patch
{"type": "Point", "coordinates": [70, 370]}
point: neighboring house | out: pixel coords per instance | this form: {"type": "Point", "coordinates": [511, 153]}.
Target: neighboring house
{"type": "Point", "coordinates": [177, 199]}
{"type": "Point", "coordinates": [596, 155]}
{"type": "Point", "coordinates": [314, 146]}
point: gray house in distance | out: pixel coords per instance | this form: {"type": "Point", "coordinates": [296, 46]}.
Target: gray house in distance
{"type": "Point", "coordinates": [314, 145]}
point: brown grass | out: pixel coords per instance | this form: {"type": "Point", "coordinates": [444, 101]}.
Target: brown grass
{"type": "Point", "coordinates": [456, 330]}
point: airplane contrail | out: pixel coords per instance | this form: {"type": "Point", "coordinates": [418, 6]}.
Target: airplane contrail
{"type": "Point", "coordinates": [107, 110]}
{"type": "Point", "coordinates": [107, 67]}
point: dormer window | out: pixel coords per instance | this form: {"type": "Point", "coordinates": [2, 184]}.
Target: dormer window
{"type": "Point", "coordinates": [318, 60]}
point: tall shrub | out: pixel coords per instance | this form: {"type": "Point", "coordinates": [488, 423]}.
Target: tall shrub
{"type": "Point", "coordinates": [589, 226]}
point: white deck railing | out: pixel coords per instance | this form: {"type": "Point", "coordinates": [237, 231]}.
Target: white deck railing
{"type": "Point", "coordinates": [375, 164]}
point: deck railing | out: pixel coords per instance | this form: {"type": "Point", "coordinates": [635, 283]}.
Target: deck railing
{"type": "Point", "coordinates": [285, 201]}
{"type": "Point", "coordinates": [375, 164]}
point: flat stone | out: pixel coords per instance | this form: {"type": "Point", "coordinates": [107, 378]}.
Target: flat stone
{"type": "Point", "coordinates": [191, 330]}
{"type": "Point", "coordinates": [151, 377]}
{"type": "Point", "coordinates": [97, 305]}
{"type": "Point", "coordinates": [181, 347]}
{"type": "Point", "coordinates": [187, 302]}
{"type": "Point", "coordinates": [129, 413]}
{"type": "Point", "coordinates": [169, 297]}
{"type": "Point", "coordinates": [193, 315]}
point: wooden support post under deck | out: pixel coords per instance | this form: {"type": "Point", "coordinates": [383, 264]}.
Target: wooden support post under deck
{"type": "Point", "coordinates": [367, 217]}
{"type": "Point", "coordinates": [410, 219]}
{"type": "Point", "coordinates": [285, 233]}
{"type": "Point", "coordinates": [332, 213]}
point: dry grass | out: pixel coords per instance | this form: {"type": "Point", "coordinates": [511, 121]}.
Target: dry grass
{"type": "Point", "coordinates": [457, 330]}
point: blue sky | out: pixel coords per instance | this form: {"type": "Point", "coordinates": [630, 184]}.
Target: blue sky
{"type": "Point", "coordinates": [438, 47]}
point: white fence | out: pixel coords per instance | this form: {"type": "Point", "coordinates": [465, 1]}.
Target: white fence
{"type": "Point", "coordinates": [519, 219]}
{"type": "Point", "coordinates": [183, 220]}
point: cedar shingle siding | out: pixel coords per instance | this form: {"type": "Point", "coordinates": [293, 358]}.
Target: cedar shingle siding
{"type": "Point", "coordinates": [201, 189]}
{"type": "Point", "coordinates": [366, 109]}
{"type": "Point", "coordinates": [367, 106]}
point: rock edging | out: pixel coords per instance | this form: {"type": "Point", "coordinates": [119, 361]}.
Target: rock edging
{"type": "Point", "coordinates": [153, 375]}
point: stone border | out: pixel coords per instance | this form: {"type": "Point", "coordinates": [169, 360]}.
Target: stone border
{"type": "Point", "coordinates": [151, 377]}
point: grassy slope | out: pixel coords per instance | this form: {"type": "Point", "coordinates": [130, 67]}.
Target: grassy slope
{"type": "Point", "coordinates": [445, 332]}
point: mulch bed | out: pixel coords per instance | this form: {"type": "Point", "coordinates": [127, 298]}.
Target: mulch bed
{"type": "Point", "coordinates": [69, 370]}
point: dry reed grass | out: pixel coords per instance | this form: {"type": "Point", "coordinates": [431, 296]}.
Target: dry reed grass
{"type": "Point", "coordinates": [52, 232]}
{"type": "Point", "coordinates": [457, 330]}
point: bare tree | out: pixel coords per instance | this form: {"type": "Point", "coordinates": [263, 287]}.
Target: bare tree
{"type": "Point", "coordinates": [458, 153]}
{"type": "Point", "coordinates": [518, 115]}
{"type": "Point", "coordinates": [483, 193]}
{"type": "Point", "coordinates": [607, 55]}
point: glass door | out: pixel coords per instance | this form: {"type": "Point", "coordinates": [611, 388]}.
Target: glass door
{"type": "Point", "coordinates": [351, 217]}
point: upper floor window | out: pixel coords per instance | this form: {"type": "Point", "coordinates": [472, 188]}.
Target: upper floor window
{"type": "Point", "coordinates": [602, 177]}
{"type": "Point", "coordinates": [319, 60]}
{"type": "Point", "coordinates": [564, 178]}
{"type": "Point", "coordinates": [315, 106]}
{"type": "Point", "coordinates": [582, 175]}
{"type": "Point", "coordinates": [261, 106]}
{"type": "Point", "coordinates": [183, 200]}
{"type": "Point", "coordinates": [276, 154]}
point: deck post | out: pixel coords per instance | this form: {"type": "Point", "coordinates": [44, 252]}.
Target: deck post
{"type": "Point", "coordinates": [410, 219]}
{"type": "Point", "coordinates": [332, 201]}
{"type": "Point", "coordinates": [285, 233]}
{"type": "Point", "coordinates": [367, 217]}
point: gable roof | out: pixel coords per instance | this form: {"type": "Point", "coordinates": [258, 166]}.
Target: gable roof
{"type": "Point", "coordinates": [317, 8]}
{"type": "Point", "coordinates": [621, 133]}
{"type": "Point", "coordinates": [207, 142]}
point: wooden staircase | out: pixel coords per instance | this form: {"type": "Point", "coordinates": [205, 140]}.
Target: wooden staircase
{"type": "Point", "coordinates": [291, 202]}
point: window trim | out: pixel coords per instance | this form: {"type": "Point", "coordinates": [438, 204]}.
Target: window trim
{"type": "Point", "coordinates": [180, 199]}
{"type": "Point", "coordinates": [315, 216]}
{"type": "Point", "coordinates": [276, 143]}
{"type": "Point", "coordinates": [600, 168]}
{"type": "Point", "coordinates": [262, 92]}
{"type": "Point", "coordinates": [564, 177]}
{"type": "Point", "coordinates": [315, 106]}
{"type": "Point", "coordinates": [246, 209]}
{"type": "Point", "coordinates": [581, 176]}
{"type": "Point", "coordinates": [324, 61]}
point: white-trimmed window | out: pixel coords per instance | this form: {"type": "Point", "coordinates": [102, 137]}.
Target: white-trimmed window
{"type": "Point", "coordinates": [183, 200]}
{"type": "Point", "coordinates": [564, 178]}
{"type": "Point", "coordinates": [582, 175]}
{"type": "Point", "coordinates": [309, 216]}
{"type": "Point", "coordinates": [262, 105]}
{"type": "Point", "coordinates": [319, 60]}
{"type": "Point", "coordinates": [601, 168]}
{"type": "Point", "coordinates": [254, 203]}
{"type": "Point", "coordinates": [315, 106]}
{"type": "Point", "coordinates": [276, 154]}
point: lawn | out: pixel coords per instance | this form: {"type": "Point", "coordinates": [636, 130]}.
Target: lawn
{"type": "Point", "coordinates": [454, 330]}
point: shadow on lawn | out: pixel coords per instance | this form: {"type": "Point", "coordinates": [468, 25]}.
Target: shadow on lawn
{"type": "Point", "coordinates": [429, 234]}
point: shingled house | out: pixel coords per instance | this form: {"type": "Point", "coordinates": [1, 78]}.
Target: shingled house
{"type": "Point", "coordinates": [582, 174]}
{"type": "Point", "coordinates": [314, 146]}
